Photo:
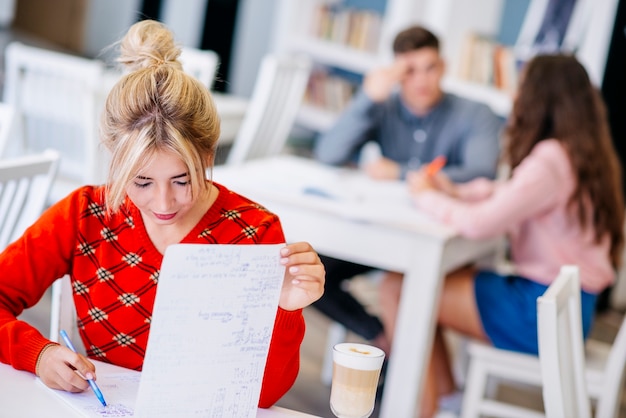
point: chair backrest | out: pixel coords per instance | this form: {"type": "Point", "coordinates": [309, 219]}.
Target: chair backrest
{"type": "Point", "coordinates": [56, 97]}
{"type": "Point", "coordinates": [273, 107]}
{"type": "Point", "coordinates": [24, 186]}
{"type": "Point", "coordinates": [62, 312]}
{"type": "Point", "coordinates": [201, 63]}
{"type": "Point", "coordinates": [561, 352]}
{"type": "Point", "coordinates": [608, 404]}
{"type": "Point", "coordinates": [7, 127]}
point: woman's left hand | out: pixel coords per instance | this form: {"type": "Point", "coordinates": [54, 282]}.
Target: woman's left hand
{"type": "Point", "coordinates": [304, 276]}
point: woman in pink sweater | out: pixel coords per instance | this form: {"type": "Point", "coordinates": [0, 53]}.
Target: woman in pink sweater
{"type": "Point", "coordinates": [161, 127]}
{"type": "Point", "coordinates": [562, 204]}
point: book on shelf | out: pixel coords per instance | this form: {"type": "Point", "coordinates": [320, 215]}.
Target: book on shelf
{"type": "Point", "coordinates": [330, 89]}
{"type": "Point", "coordinates": [356, 28]}
{"type": "Point", "coordinates": [488, 62]}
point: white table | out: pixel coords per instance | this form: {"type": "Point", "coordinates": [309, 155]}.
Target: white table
{"type": "Point", "coordinates": [347, 216]}
{"type": "Point", "coordinates": [21, 396]}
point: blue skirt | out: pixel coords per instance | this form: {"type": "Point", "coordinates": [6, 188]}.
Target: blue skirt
{"type": "Point", "coordinates": [508, 310]}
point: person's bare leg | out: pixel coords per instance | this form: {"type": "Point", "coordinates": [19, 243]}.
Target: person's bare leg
{"type": "Point", "coordinates": [457, 306]}
{"type": "Point", "coordinates": [457, 311]}
{"type": "Point", "coordinates": [439, 379]}
{"type": "Point", "coordinates": [389, 296]}
{"type": "Point", "coordinates": [442, 367]}
{"type": "Point", "coordinates": [428, 404]}
{"type": "Point", "coordinates": [382, 342]}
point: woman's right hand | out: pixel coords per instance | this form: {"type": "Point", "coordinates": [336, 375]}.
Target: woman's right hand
{"type": "Point", "coordinates": [420, 180]}
{"type": "Point", "coordinates": [61, 368]}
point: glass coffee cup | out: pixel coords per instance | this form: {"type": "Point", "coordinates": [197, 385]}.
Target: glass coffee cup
{"type": "Point", "coordinates": [356, 370]}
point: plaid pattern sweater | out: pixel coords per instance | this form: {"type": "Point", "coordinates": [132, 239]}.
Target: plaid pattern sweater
{"type": "Point", "coordinates": [114, 269]}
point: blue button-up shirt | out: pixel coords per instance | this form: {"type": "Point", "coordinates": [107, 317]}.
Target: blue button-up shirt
{"type": "Point", "coordinates": [467, 133]}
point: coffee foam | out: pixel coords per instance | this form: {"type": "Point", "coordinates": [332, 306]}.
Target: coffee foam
{"type": "Point", "coordinates": [358, 356]}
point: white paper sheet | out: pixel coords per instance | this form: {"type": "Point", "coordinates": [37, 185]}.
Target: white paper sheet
{"type": "Point", "coordinates": [211, 327]}
{"type": "Point", "coordinates": [119, 390]}
{"type": "Point", "coordinates": [213, 319]}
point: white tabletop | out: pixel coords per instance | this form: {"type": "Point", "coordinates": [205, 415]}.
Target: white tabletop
{"type": "Point", "coordinates": [345, 215]}
{"type": "Point", "coordinates": [22, 396]}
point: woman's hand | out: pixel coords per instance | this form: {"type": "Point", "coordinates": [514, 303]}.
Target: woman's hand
{"type": "Point", "coordinates": [61, 368]}
{"type": "Point", "coordinates": [382, 169]}
{"type": "Point", "coordinates": [420, 180]}
{"type": "Point", "coordinates": [304, 276]}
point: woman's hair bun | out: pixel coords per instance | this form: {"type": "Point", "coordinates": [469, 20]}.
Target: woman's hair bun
{"type": "Point", "coordinates": [148, 43]}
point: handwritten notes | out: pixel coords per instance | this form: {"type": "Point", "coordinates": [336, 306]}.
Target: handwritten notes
{"type": "Point", "coordinates": [211, 328]}
{"type": "Point", "coordinates": [209, 338]}
{"type": "Point", "coordinates": [120, 389]}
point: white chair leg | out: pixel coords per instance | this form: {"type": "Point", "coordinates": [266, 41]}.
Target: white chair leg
{"type": "Point", "coordinates": [336, 334]}
{"type": "Point", "coordinates": [474, 389]}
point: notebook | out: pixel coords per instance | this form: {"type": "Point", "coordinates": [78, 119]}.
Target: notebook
{"type": "Point", "coordinates": [211, 327]}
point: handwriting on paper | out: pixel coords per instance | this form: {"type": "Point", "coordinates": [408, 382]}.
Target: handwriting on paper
{"type": "Point", "coordinates": [212, 323]}
{"type": "Point", "coordinates": [120, 390]}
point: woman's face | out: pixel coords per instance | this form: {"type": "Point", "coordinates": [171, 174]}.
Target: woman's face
{"type": "Point", "coordinates": [162, 191]}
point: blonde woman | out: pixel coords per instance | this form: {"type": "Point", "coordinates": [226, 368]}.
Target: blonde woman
{"type": "Point", "coordinates": [161, 128]}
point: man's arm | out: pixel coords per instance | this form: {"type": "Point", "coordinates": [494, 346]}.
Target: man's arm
{"type": "Point", "coordinates": [355, 127]}
{"type": "Point", "coordinates": [480, 148]}
{"type": "Point", "coordinates": [341, 143]}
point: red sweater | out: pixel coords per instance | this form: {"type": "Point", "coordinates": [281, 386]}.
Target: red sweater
{"type": "Point", "coordinates": [114, 268]}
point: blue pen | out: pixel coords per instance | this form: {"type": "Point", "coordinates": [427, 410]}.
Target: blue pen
{"type": "Point", "coordinates": [93, 385]}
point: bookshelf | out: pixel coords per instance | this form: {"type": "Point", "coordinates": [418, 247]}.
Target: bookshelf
{"type": "Point", "coordinates": [319, 28]}
{"type": "Point", "coordinates": [297, 29]}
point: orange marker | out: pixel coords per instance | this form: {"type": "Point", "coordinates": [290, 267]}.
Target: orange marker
{"type": "Point", "coordinates": [435, 165]}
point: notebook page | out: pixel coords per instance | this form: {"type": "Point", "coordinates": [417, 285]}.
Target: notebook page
{"type": "Point", "coordinates": [118, 387]}
{"type": "Point", "coordinates": [211, 327]}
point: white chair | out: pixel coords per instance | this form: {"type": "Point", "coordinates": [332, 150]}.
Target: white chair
{"type": "Point", "coordinates": [201, 63]}
{"type": "Point", "coordinates": [7, 126]}
{"type": "Point", "coordinates": [56, 97]}
{"type": "Point", "coordinates": [62, 312]}
{"type": "Point", "coordinates": [604, 377]}
{"type": "Point", "coordinates": [271, 112]}
{"type": "Point", "coordinates": [24, 185]}
{"type": "Point", "coordinates": [561, 352]}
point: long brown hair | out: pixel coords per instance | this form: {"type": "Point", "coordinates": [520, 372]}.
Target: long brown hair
{"type": "Point", "coordinates": [557, 100]}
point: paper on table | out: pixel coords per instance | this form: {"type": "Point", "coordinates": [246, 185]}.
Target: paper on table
{"type": "Point", "coordinates": [121, 393]}
{"type": "Point", "coordinates": [211, 328]}
{"type": "Point", "coordinates": [343, 192]}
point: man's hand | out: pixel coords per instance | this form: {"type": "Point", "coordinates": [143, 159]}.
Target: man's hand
{"type": "Point", "coordinates": [379, 84]}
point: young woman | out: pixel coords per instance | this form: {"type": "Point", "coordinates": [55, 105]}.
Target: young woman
{"type": "Point", "coordinates": [161, 127]}
{"type": "Point", "coordinates": [561, 205]}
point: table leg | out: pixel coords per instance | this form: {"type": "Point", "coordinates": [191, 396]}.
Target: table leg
{"type": "Point", "coordinates": [414, 332]}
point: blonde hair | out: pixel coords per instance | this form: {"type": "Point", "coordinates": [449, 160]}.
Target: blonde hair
{"type": "Point", "coordinates": [156, 107]}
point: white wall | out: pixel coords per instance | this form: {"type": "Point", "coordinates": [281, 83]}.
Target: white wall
{"type": "Point", "coordinates": [186, 19]}
{"type": "Point", "coordinates": [251, 42]}
{"type": "Point", "coordinates": [107, 21]}
{"type": "Point", "coordinates": [7, 12]}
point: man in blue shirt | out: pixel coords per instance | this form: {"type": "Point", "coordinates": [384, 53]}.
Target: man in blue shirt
{"type": "Point", "coordinates": [403, 109]}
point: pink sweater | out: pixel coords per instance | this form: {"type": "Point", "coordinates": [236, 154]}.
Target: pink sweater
{"type": "Point", "coordinates": [531, 208]}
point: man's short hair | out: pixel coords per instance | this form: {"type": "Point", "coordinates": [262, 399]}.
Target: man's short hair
{"type": "Point", "coordinates": [413, 38]}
